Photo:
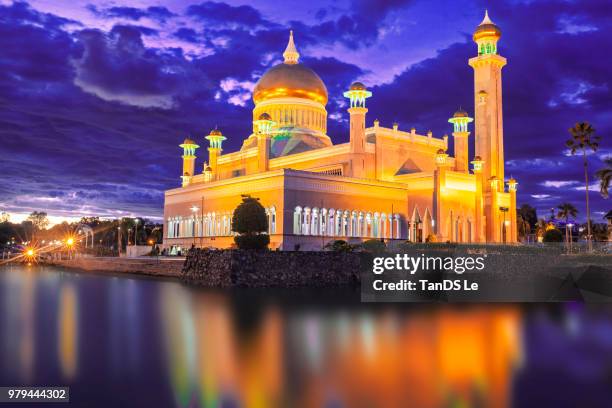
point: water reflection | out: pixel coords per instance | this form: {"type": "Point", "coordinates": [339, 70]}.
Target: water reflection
{"type": "Point", "coordinates": [141, 342]}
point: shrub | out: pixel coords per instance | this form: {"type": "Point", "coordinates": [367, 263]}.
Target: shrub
{"type": "Point", "coordinates": [252, 241]}
{"type": "Point", "coordinates": [553, 235]}
{"type": "Point", "coordinates": [431, 238]}
{"type": "Point", "coordinates": [250, 222]}
{"type": "Point", "coordinates": [339, 245]}
{"type": "Point", "coordinates": [374, 246]}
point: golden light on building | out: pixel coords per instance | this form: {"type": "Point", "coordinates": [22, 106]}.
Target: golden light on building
{"type": "Point", "coordinates": [378, 185]}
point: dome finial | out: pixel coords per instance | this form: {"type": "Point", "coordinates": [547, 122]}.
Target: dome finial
{"type": "Point", "coordinates": [486, 19]}
{"type": "Point", "coordinates": [291, 54]}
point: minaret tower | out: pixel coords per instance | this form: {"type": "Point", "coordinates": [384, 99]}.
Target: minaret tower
{"type": "Point", "coordinates": [263, 126]}
{"type": "Point", "coordinates": [357, 95]}
{"type": "Point", "coordinates": [460, 121]}
{"type": "Point", "coordinates": [189, 157]}
{"type": "Point", "coordinates": [488, 99]}
{"type": "Point", "coordinates": [215, 139]}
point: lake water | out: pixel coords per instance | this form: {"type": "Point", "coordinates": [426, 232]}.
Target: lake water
{"type": "Point", "coordinates": [136, 342]}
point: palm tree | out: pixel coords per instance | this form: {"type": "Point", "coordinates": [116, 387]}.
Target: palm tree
{"type": "Point", "coordinates": [566, 210]}
{"type": "Point", "coordinates": [604, 175]}
{"type": "Point", "coordinates": [582, 140]}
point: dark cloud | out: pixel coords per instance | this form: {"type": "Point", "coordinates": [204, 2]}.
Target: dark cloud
{"type": "Point", "coordinates": [133, 13]}
{"type": "Point", "coordinates": [223, 14]}
{"type": "Point", "coordinates": [90, 120]}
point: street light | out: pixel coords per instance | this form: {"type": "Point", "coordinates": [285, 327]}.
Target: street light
{"type": "Point", "coordinates": [136, 221]}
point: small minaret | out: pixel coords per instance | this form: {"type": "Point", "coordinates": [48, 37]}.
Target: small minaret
{"type": "Point", "coordinates": [357, 95]}
{"type": "Point", "coordinates": [189, 157]}
{"type": "Point", "coordinates": [263, 126]}
{"type": "Point", "coordinates": [439, 184]}
{"type": "Point", "coordinates": [215, 139]}
{"type": "Point", "coordinates": [207, 171]}
{"type": "Point", "coordinates": [479, 235]}
{"type": "Point", "coordinates": [460, 122]}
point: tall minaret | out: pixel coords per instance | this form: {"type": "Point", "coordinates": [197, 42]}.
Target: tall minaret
{"type": "Point", "coordinates": [357, 94]}
{"type": "Point", "coordinates": [263, 126]}
{"type": "Point", "coordinates": [215, 139]}
{"type": "Point", "coordinates": [488, 100]}
{"type": "Point", "coordinates": [189, 157]}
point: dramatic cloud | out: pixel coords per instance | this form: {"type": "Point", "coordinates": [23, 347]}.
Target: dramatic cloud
{"type": "Point", "coordinates": [94, 99]}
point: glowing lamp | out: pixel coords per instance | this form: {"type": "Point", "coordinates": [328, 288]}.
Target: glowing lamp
{"type": "Point", "coordinates": [30, 252]}
{"type": "Point", "coordinates": [70, 241]}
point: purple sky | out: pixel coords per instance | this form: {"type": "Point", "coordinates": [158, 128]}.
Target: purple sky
{"type": "Point", "coordinates": [96, 95]}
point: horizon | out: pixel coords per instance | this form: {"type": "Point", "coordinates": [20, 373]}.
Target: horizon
{"type": "Point", "coordinates": [94, 129]}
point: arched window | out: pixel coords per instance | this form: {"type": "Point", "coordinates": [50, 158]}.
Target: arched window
{"type": "Point", "coordinates": [397, 229]}
{"type": "Point", "coordinates": [306, 223]}
{"type": "Point", "coordinates": [323, 222]}
{"type": "Point", "coordinates": [383, 226]}
{"type": "Point", "coordinates": [331, 222]}
{"type": "Point", "coordinates": [314, 227]}
{"type": "Point", "coordinates": [354, 231]}
{"type": "Point", "coordinates": [345, 223]}
{"type": "Point", "coordinates": [368, 225]}
{"type": "Point", "coordinates": [338, 223]}
{"type": "Point", "coordinates": [376, 225]}
{"type": "Point", "coordinates": [297, 220]}
{"type": "Point", "coordinates": [272, 221]}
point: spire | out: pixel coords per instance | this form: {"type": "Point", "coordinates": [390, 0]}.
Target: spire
{"type": "Point", "coordinates": [291, 54]}
{"type": "Point", "coordinates": [486, 19]}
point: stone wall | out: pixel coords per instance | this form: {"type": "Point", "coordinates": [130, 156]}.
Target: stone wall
{"type": "Point", "coordinates": [235, 268]}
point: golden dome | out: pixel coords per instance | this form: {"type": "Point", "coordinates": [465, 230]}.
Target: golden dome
{"type": "Point", "coordinates": [440, 151]}
{"type": "Point", "coordinates": [215, 132]}
{"type": "Point", "coordinates": [290, 80]}
{"type": "Point", "coordinates": [486, 28]}
{"type": "Point", "coordinates": [477, 158]}
{"type": "Point", "coordinates": [188, 141]}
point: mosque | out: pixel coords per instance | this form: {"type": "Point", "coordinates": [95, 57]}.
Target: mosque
{"type": "Point", "coordinates": [384, 183]}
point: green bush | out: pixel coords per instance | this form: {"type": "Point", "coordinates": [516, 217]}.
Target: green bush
{"type": "Point", "coordinates": [553, 235]}
{"type": "Point", "coordinates": [252, 241]}
{"type": "Point", "coordinates": [250, 222]}
{"type": "Point", "coordinates": [339, 245]}
{"type": "Point", "coordinates": [374, 246]}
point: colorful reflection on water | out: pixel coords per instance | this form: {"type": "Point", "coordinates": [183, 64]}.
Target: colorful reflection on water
{"type": "Point", "coordinates": [140, 342]}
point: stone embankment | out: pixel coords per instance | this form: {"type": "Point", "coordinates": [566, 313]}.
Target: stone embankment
{"type": "Point", "coordinates": [235, 268]}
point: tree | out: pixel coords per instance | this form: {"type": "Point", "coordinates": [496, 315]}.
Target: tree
{"type": "Point", "coordinates": [529, 214]}
{"type": "Point", "coordinates": [39, 220]}
{"type": "Point", "coordinates": [523, 227]}
{"type": "Point", "coordinates": [251, 223]}
{"type": "Point", "coordinates": [604, 175]}
{"type": "Point", "coordinates": [566, 210]}
{"type": "Point", "coordinates": [583, 139]}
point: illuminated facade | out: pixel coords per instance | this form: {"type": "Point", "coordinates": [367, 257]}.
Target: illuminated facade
{"type": "Point", "coordinates": [384, 183]}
